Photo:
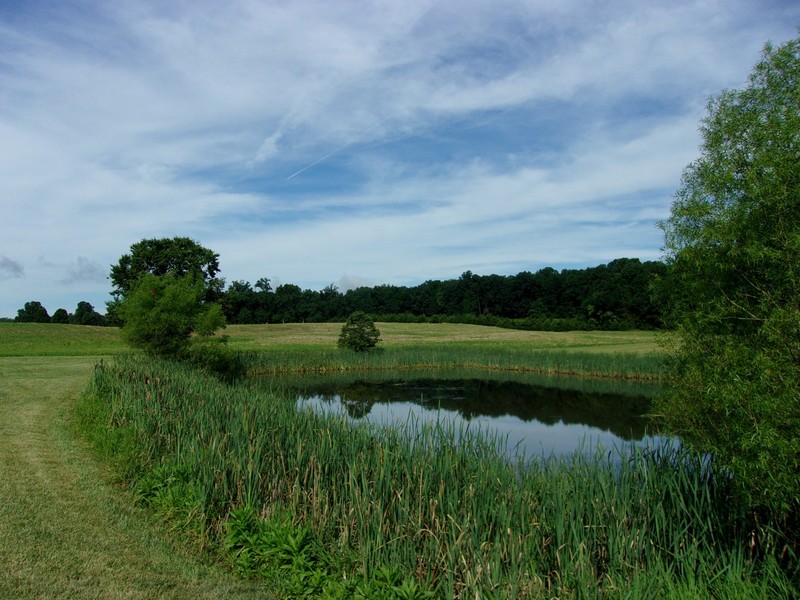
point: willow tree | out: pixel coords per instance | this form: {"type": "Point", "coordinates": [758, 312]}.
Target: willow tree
{"type": "Point", "coordinates": [732, 242]}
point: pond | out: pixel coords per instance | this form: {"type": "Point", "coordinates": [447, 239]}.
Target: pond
{"type": "Point", "coordinates": [534, 415]}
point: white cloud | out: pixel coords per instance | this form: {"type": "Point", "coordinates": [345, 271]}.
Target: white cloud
{"type": "Point", "coordinates": [310, 140]}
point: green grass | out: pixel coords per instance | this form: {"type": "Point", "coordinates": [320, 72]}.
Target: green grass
{"type": "Point", "coordinates": [316, 506]}
{"type": "Point", "coordinates": [311, 336]}
{"type": "Point", "coordinates": [66, 531]}
{"type": "Point", "coordinates": [331, 507]}
{"type": "Point", "coordinates": [290, 348]}
{"type": "Point", "coordinates": [45, 339]}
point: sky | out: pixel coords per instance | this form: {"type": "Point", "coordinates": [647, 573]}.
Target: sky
{"type": "Point", "coordinates": [353, 143]}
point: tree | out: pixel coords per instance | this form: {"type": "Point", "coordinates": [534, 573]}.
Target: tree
{"type": "Point", "coordinates": [178, 256]}
{"type": "Point", "coordinates": [61, 316]}
{"type": "Point", "coordinates": [238, 302]}
{"type": "Point", "coordinates": [160, 313]}
{"type": "Point", "coordinates": [732, 243]}
{"type": "Point", "coordinates": [33, 312]}
{"type": "Point", "coordinates": [85, 314]}
{"type": "Point", "coordinates": [359, 333]}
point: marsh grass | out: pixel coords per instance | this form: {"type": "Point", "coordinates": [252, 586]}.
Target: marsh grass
{"type": "Point", "coordinates": [293, 383]}
{"type": "Point", "coordinates": [458, 356]}
{"type": "Point", "coordinates": [440, 504]}
{"type": "Point", "coordinates": [308, 348]}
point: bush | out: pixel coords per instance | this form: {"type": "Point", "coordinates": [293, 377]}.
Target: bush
{"type": "Point", "coordinates": [359, 333]}
{"type": "Point", "coordinates": [215, 357]}
{"type": "Point", "coordinates": [161, 313]}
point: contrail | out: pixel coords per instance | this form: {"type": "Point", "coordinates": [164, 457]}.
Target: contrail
{"type": "Point", "coordinates": [329, 154]}
{"type": "Point", "coordinates": [316, 162]}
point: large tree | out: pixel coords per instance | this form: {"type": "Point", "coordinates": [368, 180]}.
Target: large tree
{"type": "Point", "coordinates": [33, 312]}
{"type": "Point", "coordinates": [178, 257]}
{"type": "Point", "coordinates": [733, 246]}
{"type": "Point", "coordinates": [85, 314]}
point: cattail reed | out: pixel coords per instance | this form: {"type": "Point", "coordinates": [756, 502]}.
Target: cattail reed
{"type": "Point", "coordinates": [443, 505]}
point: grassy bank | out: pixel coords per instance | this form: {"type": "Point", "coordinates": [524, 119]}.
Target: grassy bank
{"type": "Point", "coordinates": [327, 509]}
{"type": "Point", "coordinates": [65, 530]}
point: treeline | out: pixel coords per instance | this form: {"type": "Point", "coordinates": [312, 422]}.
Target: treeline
{"type": "Point", "coordinates": [85, 314]}
{"type": "Point", "coordinates": [611, 296]}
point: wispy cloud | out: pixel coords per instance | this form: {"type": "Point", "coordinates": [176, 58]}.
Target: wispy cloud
{"type": "Point", "coordinates": [10, 268]}
{"type": "Point", "coordinates": [84, 270]}
{"type": "Point", "coordinates": [317, 142]}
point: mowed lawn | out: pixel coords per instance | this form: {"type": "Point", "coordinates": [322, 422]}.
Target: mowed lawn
{"type": "Point", "coordinates": [66, 531]}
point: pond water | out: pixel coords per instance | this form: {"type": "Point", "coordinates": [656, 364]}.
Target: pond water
{"type": "Point", "coordinates": [536, 416]}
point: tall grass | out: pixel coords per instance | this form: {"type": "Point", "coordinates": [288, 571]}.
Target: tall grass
{"type": "Point", "coordinates": [452, 356]}
{"type": "Point", "coordinates": [441, 505]}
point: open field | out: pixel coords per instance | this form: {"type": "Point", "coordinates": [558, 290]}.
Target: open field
{"type": "Point", "coordinates": [306, 347]}
{"type": "Point", "coordinates": [322, 335]}
{"type": "Point", "coordinates": [269, 349]}
{"type": "Point", "coordinates": [46, 339]}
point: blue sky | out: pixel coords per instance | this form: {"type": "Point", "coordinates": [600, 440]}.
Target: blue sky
{"type": "Point", "coordinates": [351, 143]}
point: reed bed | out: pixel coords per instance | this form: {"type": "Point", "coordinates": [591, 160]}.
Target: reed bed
{"type": "Point", "coordinates": [442, 507]}
{"type": "Point", "coordinates": [458, 356]}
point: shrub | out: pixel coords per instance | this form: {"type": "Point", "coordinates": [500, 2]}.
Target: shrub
{"type": "Point", "coordinates": [359, 333]}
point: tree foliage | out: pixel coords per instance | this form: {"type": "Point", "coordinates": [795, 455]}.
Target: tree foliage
{"type": "Point", "coordinates": [160, 313]}
{"type": "Point", "coordinates": [178, 257]}
{"type": "Point", "coordinates": [33, 312]}
{"type": "Point", "coordinates": [733, 244]}
{"type": "Point", "coordinates": [359, 333]}
{"type": "Point", "coordinates": [609, 296]}
{"type": "Point", "coordinates": [85, 314]}
{"type": "Point", "coordinates": [61, 316]}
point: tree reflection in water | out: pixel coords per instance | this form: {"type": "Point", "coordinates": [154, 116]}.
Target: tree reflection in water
{"type": "Point", "coordinates": [543, 416]}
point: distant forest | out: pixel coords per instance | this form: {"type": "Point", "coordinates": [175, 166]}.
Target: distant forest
{"type": "Point", "coordinates": [611, 296]}
{"type": "Point", "coordinates": [608, 297]}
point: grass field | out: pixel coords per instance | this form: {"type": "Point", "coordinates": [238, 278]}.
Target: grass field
{"type": "Point", "coordinates": [69, 531]}
{"type": "Point", "coordinates": [66, 529]}
{"type": "Point", "coordinates": [272, 349]}
{"type": "Point", "coordinates": [45, 339]}
{"type": "Point", "coordinates": [324, 335]}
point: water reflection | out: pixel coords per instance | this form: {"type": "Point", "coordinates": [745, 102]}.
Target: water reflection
{"type": "Point", "coordinates": [535, 417]}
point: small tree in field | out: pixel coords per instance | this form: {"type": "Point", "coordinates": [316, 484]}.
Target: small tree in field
{"type": "Point", "coordinates": [359, 333]}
